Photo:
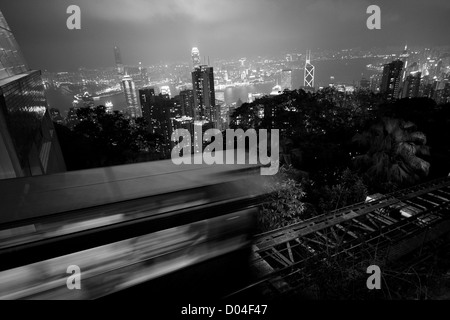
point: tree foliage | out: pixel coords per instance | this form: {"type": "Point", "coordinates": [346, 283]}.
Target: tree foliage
{"type": "Point", "coordinates": [284, 205]}
{"type": "Point", "coordinates": [394, 149]}
{"type": "Point", "coordinates": [324, 132]}
{"type": "Point", "coordinates": [349, 190]}
{"type": "Point", "coordinates": [105, 139]}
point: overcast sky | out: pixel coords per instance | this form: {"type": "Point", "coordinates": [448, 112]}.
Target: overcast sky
{"type": "Point", "coordinates": [165, 30]}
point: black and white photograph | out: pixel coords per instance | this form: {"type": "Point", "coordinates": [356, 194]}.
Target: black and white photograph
{"type": "Point", "coordinates": [228, 158]}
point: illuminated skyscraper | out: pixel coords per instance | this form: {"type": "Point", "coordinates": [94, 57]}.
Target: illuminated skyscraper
{"type": "Point", "coordinates": [143, 78]}
{"type": "Point", "coordinates": [309, 72]}
{"type": "Point", "coordinates": [147, 100]}
{"type": "Point", "coordinates": [195, 58]}
{"type": "Point", "coordinates": [286, 79]}
{"type": "Point", "coordinates": [118, 57]}
{"type": "Point", "coordinates": [204, 95]}
{"type": "Point", "coordinates": [159, 111]}
{"type": "Point", "coordinates": [187, 103]}
{"type": "Point", "coordinates": [404, 57]}
{"type": "Point", "coordinates": [129, 90]}
{"type": "Point", "coordinates": [375, 82]}
{"type": "Point", "coordinates": [28, 142]}
{"type": "Point", "coordinates": [442, 93]}
{"type": "Point", "coordinates": [162, 123]}
{"type": "Point", "coordinates": [411, 85]}
{"type": "Point", "coordinates": [390, 83]}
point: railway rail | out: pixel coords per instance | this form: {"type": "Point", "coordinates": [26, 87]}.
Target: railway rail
{"type": "Point", "coordinates": [383, 229]}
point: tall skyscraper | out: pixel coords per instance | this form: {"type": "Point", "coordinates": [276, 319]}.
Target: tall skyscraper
{"type": "Point", "coordinates": [204, 95]}
{"type": "Point", "coordinates": [187, 103]}
{"type": "Point", "coordinates": [442, 93]}
{"type": "Point", "coordinates": [375, 82]}
{"type": "Point", "coordinates": [29, 145]}
{"type": "Point", "coordinates": [147, 100]}
{"type": "Point", "coordinates": [129, 90]}
{"type": "Point", "coordinates": [411, 85]}
{"type": "Point", "coordinates": [404, 58]}
{"type": "Point", "coordinates": [195, 58]}
{"type": "Point", "coordinates": [309, 72]}
{"type": "Point", "coordinates": [118, 57]}
{"type": "Point", "coordinates": [390, 83]}
{"type": "Point", "coordinates": [161, 115]}
{"type": "Point", "coordinates": [286, 79]}
{"type": "Point", "coordinates": [143, 78]}
{"type": "Point", "coordinates": [160, 111]}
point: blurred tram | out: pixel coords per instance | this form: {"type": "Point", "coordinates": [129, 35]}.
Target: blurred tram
{"type": "Point", "coordinates": [173, 229]}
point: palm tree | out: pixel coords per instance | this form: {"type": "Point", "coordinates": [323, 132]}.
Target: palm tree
{"type": "Point", "coordinates": [393, 152]}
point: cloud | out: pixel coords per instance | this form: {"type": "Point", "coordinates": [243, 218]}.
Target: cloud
{"type": "Point", "coordinates": [340, 10]}
{"type": "Point", "coordinates": [146, 10]}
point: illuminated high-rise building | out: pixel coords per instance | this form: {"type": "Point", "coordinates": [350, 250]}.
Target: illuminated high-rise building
{"type": "Point", "coordinates": [195, 58]}
{"type": "Point", "coordinates": [411, 85]}
{"type": "Point", "coordinates": [404, 58]}
{"type": "Point", "coordinates": [161, 118]}
{"type": "Point", "coordinates": [204, 95]}
{"type": "Point", "coordinates": [390, 83]}
{"type": "Point", "coordinates": [286, 79]}
{"type": "Point", "coordinates": [375, 82]}
{"type": "Point", "coordinates": [147, 100]}
{"type": "Point", "coordinates": [118, 57]}
{"type": "Point", "coordinates": [442, 93]}
{"type": "Point", "coordinates": [187, 103]}
{"type": "Point", "coordinates": [29, 145]}
{"type": "Point", "coordinates": [308, 80]}
{"type": "Point", "coordinates": [143, 77]}
{"type": "Point", "coordinates": [159, 111]}
{"type": "Point", "coordinates": [129, 90]}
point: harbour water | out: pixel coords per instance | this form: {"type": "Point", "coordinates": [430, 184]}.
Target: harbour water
{"type": "Point", "coordinates": [349, 71]}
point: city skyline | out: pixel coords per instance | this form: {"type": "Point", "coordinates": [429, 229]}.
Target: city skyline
{"type": "Point", "coordinates": [138, 181]}
{"type": "Point", "coordinates": [221, 29]}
